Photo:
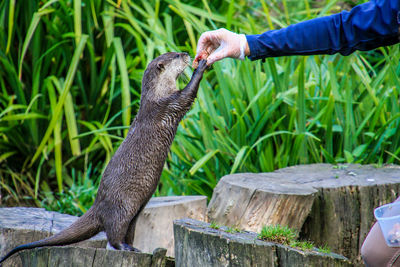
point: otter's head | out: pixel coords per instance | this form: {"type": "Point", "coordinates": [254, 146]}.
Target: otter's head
{"type": "Point", "coordinates": [159, 79]}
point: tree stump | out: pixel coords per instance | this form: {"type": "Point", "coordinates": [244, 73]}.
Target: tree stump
{"type": "Point", "coordinates": [89, 257]}
{"type": "Point", "coordinates": [24, 225]}
{"type": "Point", "coordinates": [249, 201]}
{"type": "Point", "coordinates": [155, 224]}
{"type": "Point", "coordinates": [154, 227]}
{"type": "Point", "coordinates": [196, 244]}
{"type": "Point", "coordinates": [342, 209]}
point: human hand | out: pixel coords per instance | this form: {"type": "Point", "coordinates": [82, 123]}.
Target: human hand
{"type": "Point", "coordinates": [219, 44]}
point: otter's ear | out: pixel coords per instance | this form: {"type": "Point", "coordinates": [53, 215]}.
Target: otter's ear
{"type": "Point", "coordinates": [160, 66]}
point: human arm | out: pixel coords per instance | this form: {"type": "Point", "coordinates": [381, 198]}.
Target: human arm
{"type": "Point", "coordinates": [365, 27]}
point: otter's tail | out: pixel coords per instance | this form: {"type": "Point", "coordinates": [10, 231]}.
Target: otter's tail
{"type": "Point", "coordinates": [84, 228]}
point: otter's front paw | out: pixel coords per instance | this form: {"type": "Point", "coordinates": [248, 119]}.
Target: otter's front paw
{"type": "Point", "coordinates": [202, 65]}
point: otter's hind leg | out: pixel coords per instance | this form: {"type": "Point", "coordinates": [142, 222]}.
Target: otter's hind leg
{"type": "Point", "coordinates": [130, 234]}
{"type": "Point", "coordinates": [116, 228]}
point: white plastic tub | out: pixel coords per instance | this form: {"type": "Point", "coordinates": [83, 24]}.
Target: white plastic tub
{"type": "Point", "coordinates": [388, 217]}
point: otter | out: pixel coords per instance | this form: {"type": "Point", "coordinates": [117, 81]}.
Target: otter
{"type": "Point", "coordinates": [133, 173]}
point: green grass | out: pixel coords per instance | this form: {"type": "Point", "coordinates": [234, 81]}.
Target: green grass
{"type": "Point", "coordinates": [228, 229]}
{"type": "Point", "coordinates": [286, 236]}
{"type": "Point", "coordinates": [70, 79]}
{"type": "Point", "coordinates": [214, 225]}
{"type": "Point", "coordinates": [278, 234]}
{"type": "Point", "coordinates": [233, 230]}
{"type": "Point", "coordinates": [324, 249]}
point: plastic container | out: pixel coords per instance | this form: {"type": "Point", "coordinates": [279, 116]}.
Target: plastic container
{"type": "Point", "coordinates": [388, 217]}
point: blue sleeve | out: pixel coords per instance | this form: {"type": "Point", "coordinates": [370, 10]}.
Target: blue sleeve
{"type": "Point", "coordinates": [365, 27]}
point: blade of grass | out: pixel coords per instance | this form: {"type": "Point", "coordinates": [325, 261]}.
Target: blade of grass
{"type": "Point", "coordinates": [125, 93]}
{"type": "Point", "coordinates": [200, 163]}
{"type": "Point", "coordinates": [11, 12]}
{"type": "Point", "coordinates": [31, 30]}
{"type": "Point", "coordinates": [57, 137]}
{"type": "Point", "coordinates": [239, 158]}
{"type": "Point", "coordinates": [77, 20]}
{"type": "Point", "coordinates": [301, 103]}
{"type": "Point", "coordinates": [69, 118]}
{"type": "Point", "coordinates": [66, 87]}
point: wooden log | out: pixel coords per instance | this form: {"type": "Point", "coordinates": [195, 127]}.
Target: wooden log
{"type": "Point", "coordinates": [196, 244]}
{"type": "Point", "coordinates": [342, 213]}
{"type": "Point", "coordinates": [342, 210]}
{"type": "Point", "coordinates": [88, 257]}
{"type": "Point", "coordinates": [24, 225]}
{"type": "Point", "coordinates": [155, 224]}
{"type": "Point", "coordinates": [249, 201]}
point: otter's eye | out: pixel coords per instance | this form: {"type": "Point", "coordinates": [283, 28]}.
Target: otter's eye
{"type": "Point", "coordinates": [160, 66]}
{"type": "Point", "coordinates": [177, 55]}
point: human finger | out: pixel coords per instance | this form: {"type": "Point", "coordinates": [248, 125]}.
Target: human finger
{"type": "Point", "coordinates": [217, 55]}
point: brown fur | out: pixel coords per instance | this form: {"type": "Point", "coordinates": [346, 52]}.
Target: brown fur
{"type": "Point", "coordinates": [134, 171]}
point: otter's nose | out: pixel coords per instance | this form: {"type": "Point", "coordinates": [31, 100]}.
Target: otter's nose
{"type": "Point", "coordinates": [184, 56]}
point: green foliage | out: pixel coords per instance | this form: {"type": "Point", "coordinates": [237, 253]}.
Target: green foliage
{"type": "Point", "coordinates": [214, 225]}
{"type": "Point", "coordinates": [227, 229]}
{"type": "Point", "coordinates": [78, 199]}
{"type": "Point", "coordinates": [324, 249]}
{"type": "Point", "coordinates": [232, 230]}
{"type": "Point", "coordinates": [278, 233]}
{"type": "Point", "coordinates": [285, 235]}
{"type": "Point", "coordinates": [302, 245]}
{"type": "Point", "coordinates": [70, 78]}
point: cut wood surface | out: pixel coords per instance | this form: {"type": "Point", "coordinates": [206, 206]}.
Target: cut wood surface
{"type": "Point", "coordinates": [249, 201]}
{"type": "Point", "coordinates": [196, 244]}
{"type": "Point", "coordinates": [341, 212]}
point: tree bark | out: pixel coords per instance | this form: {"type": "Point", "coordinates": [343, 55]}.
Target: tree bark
{"type": "Point", "coordinates": [334, 204]}
{"type": "Point", "coordinates": [196, 244]}
{"type": "Point", "coordinates": [249, 201]}
{"type": "Point", "coordinates": [347, 196]}
{"type": "Point", "coordinates": [89, 257]}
